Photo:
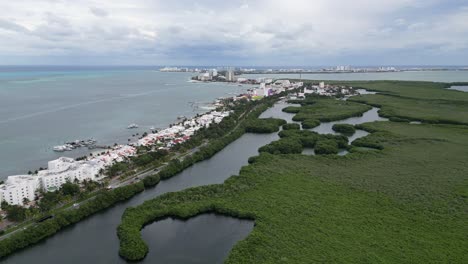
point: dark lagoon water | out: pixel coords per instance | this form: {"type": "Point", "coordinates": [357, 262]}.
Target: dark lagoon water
{"type": "Point", "coordinates": [326, 128]}
{"type": "Point", "coordinates": [206, 238]}
{"type": "Point", "coordinates": [276, 112]}
{"type": "Point", "coordinates": [369, 116]}
{"type": "Point", "coordinates": [459, 88]}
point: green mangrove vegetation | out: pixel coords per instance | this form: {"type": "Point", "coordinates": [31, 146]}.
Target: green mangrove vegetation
{"type": "Point", "coordinates": [283, 146]}
{"type": "Point", "coordinates": [327, 146]}
{"type": "Point", "coordinates": [326, 109]}
{"type": "Point", "coordinates": [291, 126]}
{"type": "Point", "coordinates": [294, 141]}
{"type": "Point", "coordinates": [345, 129]}
{"type": "Point", "coordinates": [292, 109]}
{"type": "Point", "coordinates": [264, 125]}
{"type": "Point", "coordinates": [405, 201]}
{"type": "Point", "coordinates": [416, 101]}
{"type": "Point", "coordinates": [310, 123]}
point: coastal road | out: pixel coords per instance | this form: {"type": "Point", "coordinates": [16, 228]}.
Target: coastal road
{"type": "Point", "coordinates": [143, 174]}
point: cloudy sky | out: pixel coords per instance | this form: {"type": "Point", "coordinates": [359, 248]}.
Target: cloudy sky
{"type": "Point", "coordinates": [235, 32]}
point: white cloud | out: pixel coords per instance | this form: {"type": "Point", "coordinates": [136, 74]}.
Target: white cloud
{"type": "Point", "coordinates": [162, 30]}
{"type": "Point", "coordinates": [98, 11]}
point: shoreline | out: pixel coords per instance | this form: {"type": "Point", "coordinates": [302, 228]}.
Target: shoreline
{"type": "Point", "coordinates": [42, 230]}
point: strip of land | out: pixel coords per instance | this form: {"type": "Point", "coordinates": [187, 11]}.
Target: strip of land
{"type": "Point", "coordinates": [201, 146]}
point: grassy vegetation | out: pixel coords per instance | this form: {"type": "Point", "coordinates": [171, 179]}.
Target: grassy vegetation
{"type": "Point", "coordinates": [294, 142]}
{"type": "Point", "coordinates": [400, 196]}
{"type": "Point", "coordinates": [290, 126]}
{"type": "Point", "coordinates": [345, 129]}
{"type": "Point", "coordinates": [396, 205]}
{"type": "Point", "coordinates": [418, 101]}
{"type": "Point", "coordinates": [326, 109]}
{"type": "Point", "coordinates": [264, 125]}
{"type": "Point", "coordinates": [310, 123]}
{"type": "Point", "coordinates": [326, 147]}
{"type": "Point", "coordinates": [283, 146]}
{"type": "Point", "coordinates": [292, 109]}
{"type": "Point", "coordinates": [430, 111]}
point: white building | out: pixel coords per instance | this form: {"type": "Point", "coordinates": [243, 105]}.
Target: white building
{"type": "Point", "coordinates": [59, 171]}
{"type": "Point", "coordinates": [60, 164]}
{"type": "Point", "coordinates": [343, 68]}
{"type": "Point", "coordinates": [205, 77]}
{"type": "Point", "coordinates": [283, 83]}
{"type": "Point", "coordinates": [298, 84]}
{"type": "Point", "coordinates": [312, 90]}
{"type": "Point", "coordinates": [230, 76]}
{"type": "Point", "coordinates": [64, 169]}
{"type": "Point", "coordinates": [19, 187]}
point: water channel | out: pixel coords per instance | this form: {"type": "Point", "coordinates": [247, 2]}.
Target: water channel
{"type": "Point", "coordinates": [206, 238]}
{"type": "Point", "coordinates": [459, 88]}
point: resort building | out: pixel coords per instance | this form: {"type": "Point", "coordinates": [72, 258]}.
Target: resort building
{"type": "Point", "coordinates": [65, 169]}
{"type": "Point", "coordinates": [18, 188]}
{"type": "Point", "coordinates": [205, 77]}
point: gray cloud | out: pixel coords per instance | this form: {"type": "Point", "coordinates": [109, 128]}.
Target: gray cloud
{"type": "Point", "coordinates": [99, 12]}
{"type": "Point", "coordinates": [266, 30]}
{"type": "Point", "coordinates": [10, 26]}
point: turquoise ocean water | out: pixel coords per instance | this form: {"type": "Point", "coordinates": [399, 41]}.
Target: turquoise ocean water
{"type": "Point", "coordinates": [40, 108]}
{"type": "Point", "coordinates": [45, 106]}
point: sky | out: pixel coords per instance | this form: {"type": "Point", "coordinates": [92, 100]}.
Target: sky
{"type": "Point", "coordinates": [235, 32]}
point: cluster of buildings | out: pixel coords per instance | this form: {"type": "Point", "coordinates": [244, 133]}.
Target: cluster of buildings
{"type": "Point", "coordinates": [328, 90]}
{"type": "Point", "coordinates": [209, 75]}
{"type": "Point", "coordinates": [268, 87]}
{"type": "Point", "coordinates": [213, 75]}
{"type": "Point", "coordinates": [177, 69]}
{"type": "Point", "coordinates": [18, 188]}
{"type": "Point", "coordinates": [182, 131]}
{"type": "Point", "coordinates": [22, 189]}
{"type": "Point", "coordinates": [311, 70]}
{"type": "Point", "coordinates": [349, 69]}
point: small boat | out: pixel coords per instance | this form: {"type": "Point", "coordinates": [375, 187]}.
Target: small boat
{"type": "Point", "coordinates": [181, 117]}
{"type": "Point", "coordinates": [59, 148]}
{"type": "Point", "coordinates": [131, 126]}
{"type": "Point", "coordinates": [68, 147]}
{"type": "Point", "coordinates": [152, 128]}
